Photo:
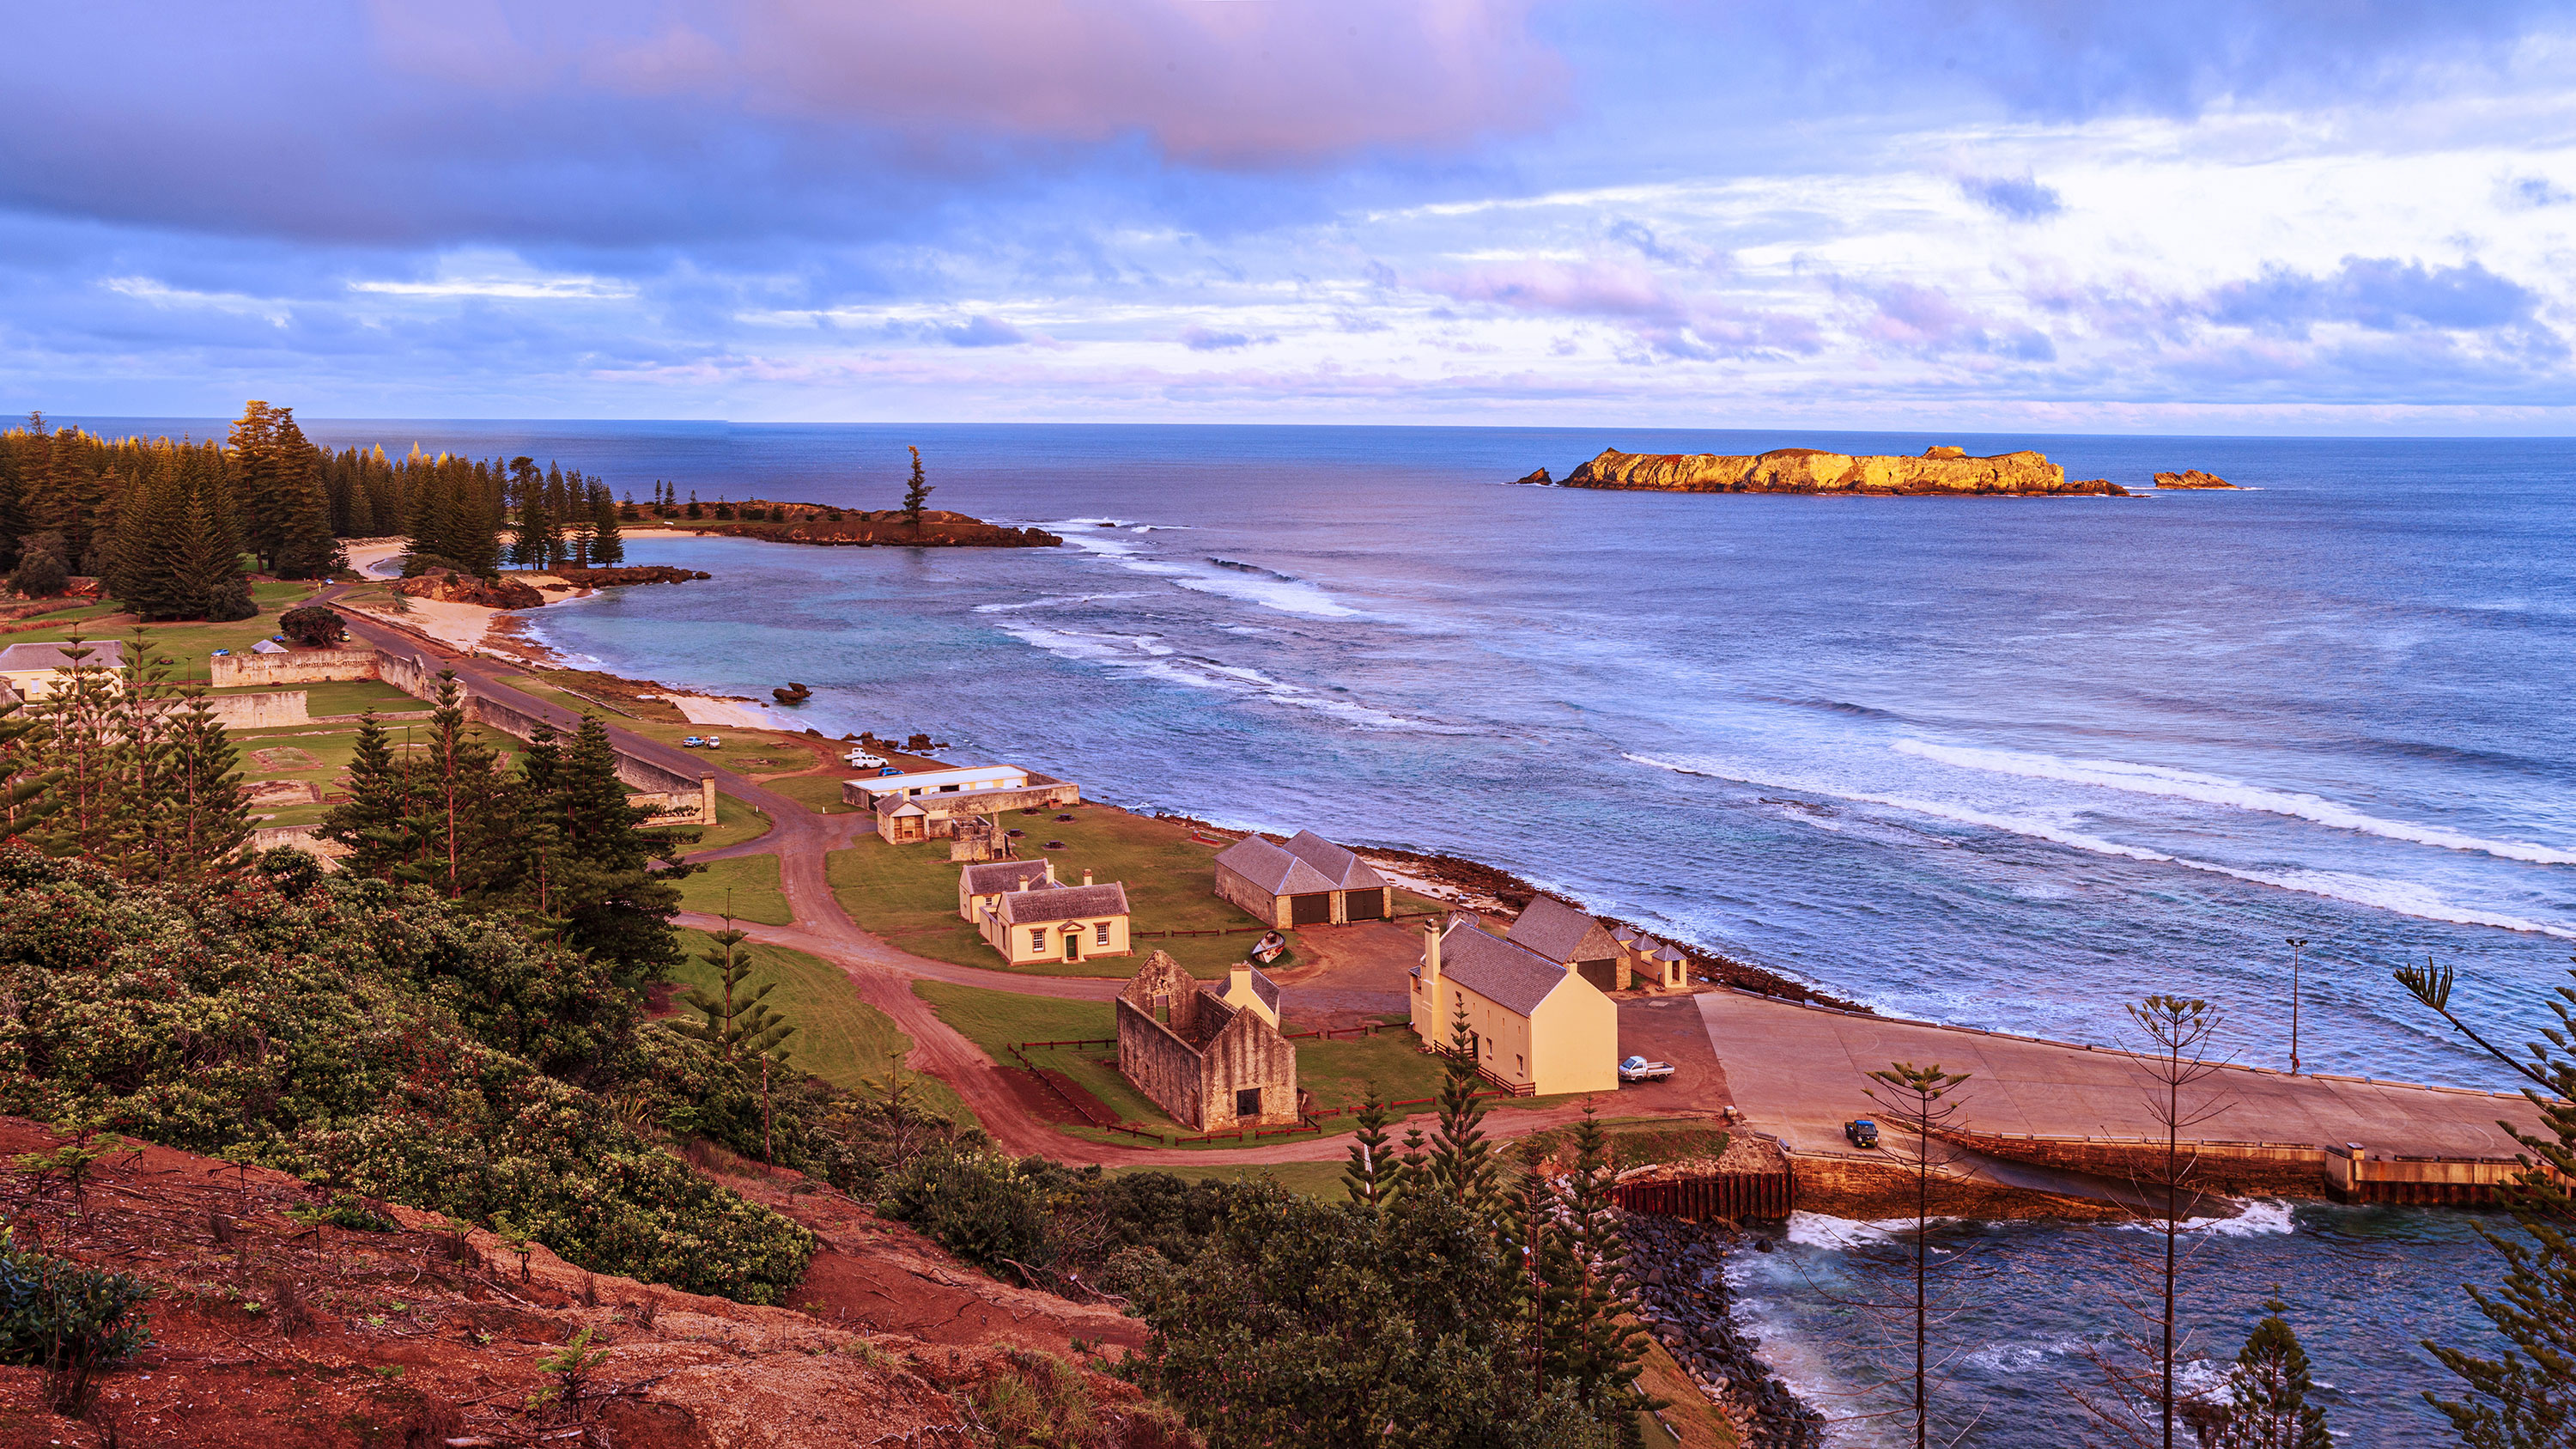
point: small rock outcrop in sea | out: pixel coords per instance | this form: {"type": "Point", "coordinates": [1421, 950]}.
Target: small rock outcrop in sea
{"type": "Point", "coordinates": [602, 578]}
{"type": "Point", "coordinates": [1537, 479]}
{"type": "Point", "coordinates": [1812, 470]}
{"type": "Point", "coordinates": [2191, 478]}
{"type": "Point", "coordinates": [1678, 1271]}
{"type": "Point", "coordinates": [450, 587]}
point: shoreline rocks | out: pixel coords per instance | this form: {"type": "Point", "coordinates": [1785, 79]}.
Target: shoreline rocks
{"type": "Point", "coordinates": [446, 586]}
{"type": "Point", "coordinates": [1940, 470]}
{"type": "Point", "coordinates": [602, 578]}
{"type": "Point", "coordinates": [2192, 478]}
{"type": "Point", "coordinates": [1677, 1271]}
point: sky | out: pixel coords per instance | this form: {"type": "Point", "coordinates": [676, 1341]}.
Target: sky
{"type": "Point", "coordinates": [2196, 216]}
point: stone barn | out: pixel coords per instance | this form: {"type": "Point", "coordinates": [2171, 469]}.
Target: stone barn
{"type": "Point", "coordinates": [1209, 1063]}
{"type": "Point", "coordinates": [1309, 881]}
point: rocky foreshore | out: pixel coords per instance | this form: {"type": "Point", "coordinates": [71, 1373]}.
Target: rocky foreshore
{"type": "Point", "coordinates": [2191, 478]}
{"type": "Point", "coordinates": [1678, 1271]}
{"type": "Point", "coordinates": [1810, 470]}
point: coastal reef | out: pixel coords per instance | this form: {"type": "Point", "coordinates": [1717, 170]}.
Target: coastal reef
{"type": "Point", "coordinates": [628, 574]}
{"type": "Point", "coordinates": [885, 528]}
{"type": "Point", "coordinates": [2191, 478]}
{"type": "Point", "coordinates": [1812, 470]}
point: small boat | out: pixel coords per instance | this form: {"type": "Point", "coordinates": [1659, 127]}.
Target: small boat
{"type": "Point", "coordinates": [794, 693]}
{"type": "Point", "coordinates": [1267, 949]}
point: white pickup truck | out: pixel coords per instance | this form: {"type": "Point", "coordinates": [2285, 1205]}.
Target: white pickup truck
{"type": "Point", "coordinates": [1638, 1069]}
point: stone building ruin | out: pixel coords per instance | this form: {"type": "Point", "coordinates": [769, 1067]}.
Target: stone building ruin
{"type": "Point", "coordinates": [1209, 1063]}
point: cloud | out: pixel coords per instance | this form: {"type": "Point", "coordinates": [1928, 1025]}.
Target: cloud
{"type": "Point", "coordinates": [515, 288]}
{"type": "Point", "coordinates": [1202, 339]}
{"type": "Point", "coordinates": [1927, 321]}
{"type": "Point", "coordinates": [2530, 193]}
{"type": "Point", "coordinates": [982, 331]}
{"type": "Point", "coordinates": [2381, 294]}
{"type": "Point", "coordinates": [2014, 198]}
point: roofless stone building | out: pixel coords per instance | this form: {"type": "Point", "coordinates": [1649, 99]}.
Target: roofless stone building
{"type": "Point", "coordinates": [1208, 1062]}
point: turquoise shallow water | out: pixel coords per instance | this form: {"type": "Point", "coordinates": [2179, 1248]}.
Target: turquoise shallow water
{"type": "Point", "coordinates": [2007, 762]}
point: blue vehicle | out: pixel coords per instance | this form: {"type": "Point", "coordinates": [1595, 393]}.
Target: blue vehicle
{"type": "Point", "coordinates": [693, 742]}
{"type": "Point", "coordinates": [888, 770]}
{"type": "Point", "coordinates": [1862, 1132]}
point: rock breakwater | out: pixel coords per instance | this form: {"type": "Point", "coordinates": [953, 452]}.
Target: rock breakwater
{"type": "Point", "coordinates": [1810, 470]}
{"type": "Point", "coordinates": [1678, 1271]}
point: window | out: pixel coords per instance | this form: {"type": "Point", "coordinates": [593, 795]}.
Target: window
{"type": "Point", "coordinates": [1037, 939]}
{"type": "Point", "coordinates": [947, 789]}
{"type": "Point", "coordinates": [1520, 1066]}
{"type": "Point", "coordinates": [1247, 1102]}
{"type": "Point", "coordinates": [1100, 933]}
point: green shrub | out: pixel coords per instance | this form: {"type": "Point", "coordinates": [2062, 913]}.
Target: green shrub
{"type": "Point", "coordinates": [373, 1039]}
{"type": "Point", "coordinates": [73, 1322]}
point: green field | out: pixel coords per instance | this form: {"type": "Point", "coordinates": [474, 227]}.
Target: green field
{"type": "Point", "coordinates": [332, 748]}
{"type": "Point", "coordinates": [185, 645]}
{"type": "Point", "coordinates": [1338, 1072]}
{"type": "Point", "coordinates": [744, 887]}
{"type": "Point", "coordinates": [736, 822]}
{"type": "Point", "coordinates": [839, 1038]}
{"type": "Point", "coordinates": [908, 893]}
{"type": "Point", "coordinates": [818, 793]}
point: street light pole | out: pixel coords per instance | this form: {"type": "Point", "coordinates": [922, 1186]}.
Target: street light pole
{"type": "Point", "coordinates": [2296, 942]}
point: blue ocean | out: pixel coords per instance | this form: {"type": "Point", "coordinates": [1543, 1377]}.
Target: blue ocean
{"type": "Point", "coordinates": [2008, 762]}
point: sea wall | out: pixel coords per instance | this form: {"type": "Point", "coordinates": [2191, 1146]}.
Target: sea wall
{"type": "Point", "coordinates": [667, 793]}
{"type": "Point", "coordinates": [258, 711]}
{"type": "Point", "coordinates": [2238, 1169]}
{"type": "Point", "coordinates": [1810, 470]}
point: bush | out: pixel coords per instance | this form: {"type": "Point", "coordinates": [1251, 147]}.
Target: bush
{"type": "Point", "coordinates": [371, 1038]}
{"type": "Point", "coordinates": [41, 574]}
{"type": "Point", "coordinates": [73, 1322]}
{"type": "Point", "coordinates": [230, 601]}
{"type": "Point", "coordinates": [313, 626]}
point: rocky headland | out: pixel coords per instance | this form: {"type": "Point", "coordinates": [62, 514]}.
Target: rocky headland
{"type": "Point", "coordinates": [851, 528]}
{"type": "Point", "coordinates": [2191, 478]}
{"type": "Point", "coordinates": [1812, 470]}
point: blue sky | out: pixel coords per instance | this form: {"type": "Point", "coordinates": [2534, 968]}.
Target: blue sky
{"type": "Point", "coordinates": [2309, 216]}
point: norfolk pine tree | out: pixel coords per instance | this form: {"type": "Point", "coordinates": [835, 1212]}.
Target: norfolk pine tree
{"type": "Point", "coordinates": [2268, 1390]}
{"type": "Point", "coordinates": [915, 496]}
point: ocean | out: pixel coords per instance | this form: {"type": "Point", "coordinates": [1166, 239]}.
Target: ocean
{"type": "Point", "coordinates": [2007, 762]}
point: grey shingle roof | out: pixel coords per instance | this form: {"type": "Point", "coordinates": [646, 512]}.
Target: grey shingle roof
{"type": "Point", "coordinates": [103, 653]}
{"type": "Point", "coordinates": [1272, 869]}
{"type": "Point", "coordinates": [1509, 976]}
{"type": "Point", "coordinates": [1561, 933]}
{"type": "Point", "coordinates": [1064, 903]}
{"type": "Point", "coordinates": [1335, 863]}
{"type": "Point", "coordinates": [1265, 988]}
{"type": "Point", "coordinates": [985, 878]}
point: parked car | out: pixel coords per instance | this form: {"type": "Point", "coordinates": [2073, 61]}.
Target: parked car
{"type": "Point", "coordinates": [714, 743]}
{"type": "Point", "coordinates": [888, 770]}
{"type": "Point", "coordinates": [1861, 1132]}
{"type": "Point", "coordinates": [861, 759]}
{"type": "Point", "coordinates": [693, 742]}
{"type": "Point", "coordinates": [1638, 1069]}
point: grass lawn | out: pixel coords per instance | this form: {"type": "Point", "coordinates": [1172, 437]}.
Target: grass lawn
{"type": "Point", "coordinates": [330, 750]}
{"type": "Point", "coordinates": [908, 893]}
{"type": "Point", "coordinates": [185, 645]}
{"type": "Point", "coordinates": [339, 696]}
{"type": "Point", "coordinates": [839, 1038]}
{"type": "Point", "coordinates": [736, 822]}
{"type": "Point", "coordinates": [745, 887]}
{"type": "Point", "coordinates": [1337, 1072]}
{"type": "Point", "coordinates": [1314, 1179]}
{"type": "Point", "coordinates": [818, 793]}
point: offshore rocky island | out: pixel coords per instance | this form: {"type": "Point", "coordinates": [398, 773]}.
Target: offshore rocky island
{"type": "Point", "coordinates": [1811, 470]}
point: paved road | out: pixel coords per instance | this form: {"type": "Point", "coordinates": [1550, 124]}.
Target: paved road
{"type": "Point", "coordinates": [1798, 1072]}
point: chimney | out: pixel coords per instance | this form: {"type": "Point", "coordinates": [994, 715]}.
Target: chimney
{"type": "Point", "coordinates": [1086, 877]}
{"type": "Point", "coordinates": [1431, 952]}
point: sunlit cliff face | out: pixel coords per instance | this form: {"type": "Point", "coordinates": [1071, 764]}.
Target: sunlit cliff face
{"type": "Point", "coordinates": [2016, 215]}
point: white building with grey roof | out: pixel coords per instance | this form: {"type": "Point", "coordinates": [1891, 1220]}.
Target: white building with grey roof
{"type": "Point", "coordinates": [1044, 921]}
{"type": "Point", "coordinates": [1307, 881]}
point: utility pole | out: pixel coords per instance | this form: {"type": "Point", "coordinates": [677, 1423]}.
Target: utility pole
{"type": "Point", "coordinates": [2297, 943]}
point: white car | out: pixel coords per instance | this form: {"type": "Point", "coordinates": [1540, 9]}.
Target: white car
{"type": "Point", "coordinates": [861, 759]}
{"type": "Point", "coordinates": [1638, 1069]}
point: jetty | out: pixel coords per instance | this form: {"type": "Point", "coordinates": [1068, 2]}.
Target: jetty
{"type": "Point", "coordinates": [2073, 1120]}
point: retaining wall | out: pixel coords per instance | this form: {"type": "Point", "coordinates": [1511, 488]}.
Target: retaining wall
{"type": "Point", "coordinates": [2239, 1169]}
{"type": "Point", "coordinates": [258, 711]}
{"type": "Point", "coordinates": [304, 666]}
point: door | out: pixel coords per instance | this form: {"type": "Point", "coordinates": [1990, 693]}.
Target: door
{"type": "Point", "coordinates": [1314, 910]}
{"type": "Point", "coordinates": [1073, 945]}
{"type": "Point", "coordinates": [1364, 906]}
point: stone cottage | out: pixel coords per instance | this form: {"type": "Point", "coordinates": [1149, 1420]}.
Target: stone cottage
{"type": "Point", "coordinates": [1208, 1062]}
{"type": "Point", "coordinates": [1309, 881]}
{"type": "Point", "coordinates": [1044, 920]}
